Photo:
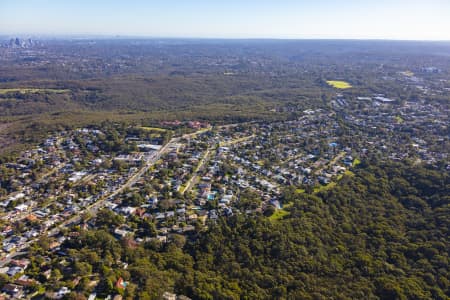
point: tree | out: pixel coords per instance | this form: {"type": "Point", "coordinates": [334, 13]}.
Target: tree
{"type": "Point", "coordinates": [270, 210]}
{"type": "Point", "coordinates": [108, 219]}
{"type": "Point", "coordinates": [4, 279]}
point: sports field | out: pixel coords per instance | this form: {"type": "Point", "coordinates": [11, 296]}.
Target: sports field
{"type": "Point", "coordinates": [339, 84]}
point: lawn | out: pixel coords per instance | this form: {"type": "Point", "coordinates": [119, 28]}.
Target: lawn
{"type": "Point", "coordinates": [356, 162]}
{"type": "Point", "coordinates": [339, 84]}
{"type": "Point", "coordinates": [32, 91]}
{"type": "Point", "coordinates": [347, 173]}
{"type": "Point", "coordinates": [332, 184]}
{"type": "Point", "coordinates": [153, 129]}
{"type": "Point", "coordinates": [321, 188]}
{"type": "Point", "coordinates": [281, 213]}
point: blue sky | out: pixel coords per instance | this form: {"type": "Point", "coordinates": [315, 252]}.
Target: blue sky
{"type": "Point", "coordinates": [387, 19]}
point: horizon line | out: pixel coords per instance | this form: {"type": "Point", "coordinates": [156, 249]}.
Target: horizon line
{"type": "Point", "coordinates": [193, 37]}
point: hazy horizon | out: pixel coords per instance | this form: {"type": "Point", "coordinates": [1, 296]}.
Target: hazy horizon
{"type": "Point", "coordinates": [81, 36]}
{"type": "Point", "coordinates": [251, 19]}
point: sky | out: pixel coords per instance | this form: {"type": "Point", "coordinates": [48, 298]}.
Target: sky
{"type": "Point", "coordinates": [292, 19]}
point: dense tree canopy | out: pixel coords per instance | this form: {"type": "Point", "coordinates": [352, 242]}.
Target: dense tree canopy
{"type": "Point", "coordinates": [382, 233]}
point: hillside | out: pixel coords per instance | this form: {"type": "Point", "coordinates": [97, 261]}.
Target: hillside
{"type": "Point", "coordinates": [381, 234]}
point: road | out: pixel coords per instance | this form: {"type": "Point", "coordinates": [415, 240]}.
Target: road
{"type": "Point", "coordinates": [60, 166]}
{"type": "Point", "coordinates": [95, 207]}
{"type": "Point", "coordinates": [236, 141]}
{"type": "Point", "coordinates": [331, 163]}
{"type": "Point", "coordinates": [191, 182]}
{"type": "Point", "coordinates": [194, 134]}
{"type": "Point", "coordinates": [7, 259]}
{"type": "Point", "coordinates": [10, 217]}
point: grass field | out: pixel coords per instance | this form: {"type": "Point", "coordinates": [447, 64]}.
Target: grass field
{"type": "Point", "coordinates": [339, 84]}
{"type": "Point", "coordinates": [347, 173]}
{"type": "Point", "coordinates": [32, 91]}
{"type": "Point", "coordinates": [156, 129]}
{"type": "Point", "coordinates": [356, 162]}
{"type": "Point", "coordinates": [321, 188]}
{"type": "Point", "coordinates": [280, 213]}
